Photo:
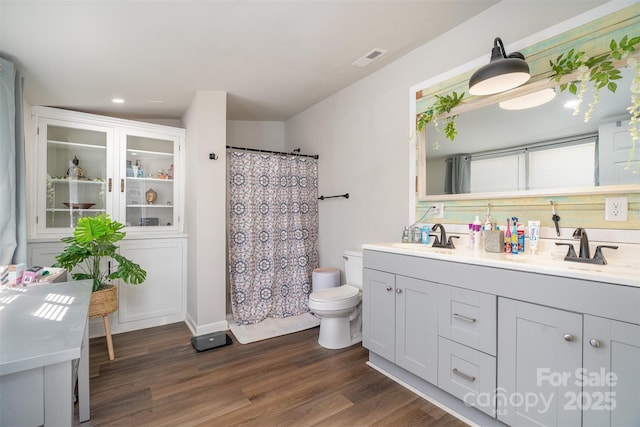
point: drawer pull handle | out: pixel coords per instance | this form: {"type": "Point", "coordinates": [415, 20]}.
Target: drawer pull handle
{"type": "Point", "coordinates": [568, 337]}
{"type": "Point", "coordinates": [389, 288]}
{"type": "Point", "coordinates": [465, 318]}
{"type": "Point", "coordinates": [399, 291]}
{"type": "Point", "coordinates": [122, 185]}
{"type": "Point", "coordinates": [463, 375]}
{"type": "Point", "coordinates": [595, 343]}
{"type": "Point", "coordinates": [110, 185]}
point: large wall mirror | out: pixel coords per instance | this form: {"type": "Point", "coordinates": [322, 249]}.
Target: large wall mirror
{"type": "Point", "coordinates": [536, 151]}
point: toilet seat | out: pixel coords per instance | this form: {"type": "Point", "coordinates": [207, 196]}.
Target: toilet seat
{"type": "Point", "coordinates": [345, 296]}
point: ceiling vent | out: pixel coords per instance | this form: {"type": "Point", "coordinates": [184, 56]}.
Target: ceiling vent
{"type": "Point", "coordinates": [371, 56]}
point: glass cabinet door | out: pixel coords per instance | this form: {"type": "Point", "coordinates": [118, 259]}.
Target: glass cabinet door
{"type": "Point", "coordinates": [76, 173]}
{"type": "Point", "coordinates": [149, 169]}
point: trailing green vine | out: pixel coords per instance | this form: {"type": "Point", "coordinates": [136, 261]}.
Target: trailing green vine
{"type": "Point", "coordinates": [601, 72]}
{"type": "Point", "coordinates": [442, 105]}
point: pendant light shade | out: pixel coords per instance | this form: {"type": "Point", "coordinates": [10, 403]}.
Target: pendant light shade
{"type": "Point", "coordinates": [501, 73]}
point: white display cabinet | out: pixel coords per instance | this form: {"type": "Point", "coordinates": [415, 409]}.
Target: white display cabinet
{"type": "Point", "coordinates": [87, 165]}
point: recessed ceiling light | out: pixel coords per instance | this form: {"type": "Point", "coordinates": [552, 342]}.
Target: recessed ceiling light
{"type": "Point", "coordinates": [117, 101]}
{"type": "Point", "coordinates": [154, 101]}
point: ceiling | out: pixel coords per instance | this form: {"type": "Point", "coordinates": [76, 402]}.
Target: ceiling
{"type": "Point", "coordinates": [273, 58]}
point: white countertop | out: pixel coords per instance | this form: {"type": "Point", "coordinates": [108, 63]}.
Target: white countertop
{"type": "Point", "coordinates": [620, 270]}
{"type": "Point", "coordinates": [42, 325]}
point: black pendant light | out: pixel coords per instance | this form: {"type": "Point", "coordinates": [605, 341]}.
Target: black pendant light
{"type": "Point", "coordinates": [501, 73]}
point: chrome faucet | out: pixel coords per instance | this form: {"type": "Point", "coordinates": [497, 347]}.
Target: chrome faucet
{"type": "Point", "coordinates": [583, 253]}
{"type": "Point", "coordinates": [442, 242]}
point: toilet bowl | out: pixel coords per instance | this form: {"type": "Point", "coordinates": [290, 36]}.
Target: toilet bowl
{"type": "Point", "coordinates": [340, 308]}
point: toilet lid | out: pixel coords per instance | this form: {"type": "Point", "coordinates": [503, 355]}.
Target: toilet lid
{"type": "Point", "coordinates": [335, 294]}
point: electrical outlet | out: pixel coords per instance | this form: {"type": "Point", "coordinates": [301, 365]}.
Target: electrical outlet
{"type": "Point", "coordinates": [615, 209]}
{"type": "Point", "coordinates": [438, 212]}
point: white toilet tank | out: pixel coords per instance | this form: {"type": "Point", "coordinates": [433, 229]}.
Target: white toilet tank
{"type": "Point", "coordinates": [353, 268]}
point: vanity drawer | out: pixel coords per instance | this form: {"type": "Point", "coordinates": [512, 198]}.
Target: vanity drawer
{"type": "Point", "coordinates": [468, 374]}
{"type": "Point", "coordinates": [468, 317]}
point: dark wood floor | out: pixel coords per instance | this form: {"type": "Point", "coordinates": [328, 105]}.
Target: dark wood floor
{"type": "Point", "coordinates": [158, 379]}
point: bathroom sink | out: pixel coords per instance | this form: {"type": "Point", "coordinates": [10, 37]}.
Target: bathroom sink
{"type": "Point", "coordinates": [423, 248]}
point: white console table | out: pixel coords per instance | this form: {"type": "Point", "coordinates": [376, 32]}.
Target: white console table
{"type": "Point", "coordinates": [43, 334]}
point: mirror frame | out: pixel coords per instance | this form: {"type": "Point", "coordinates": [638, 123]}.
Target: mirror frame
{"type": "Point", "coordinates": [460, 75]}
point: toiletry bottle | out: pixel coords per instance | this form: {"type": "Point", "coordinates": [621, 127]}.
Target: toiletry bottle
{"type": "Point", "coordinates": [405, 235]}
{"type": "Point", "coordinates": [520, 229]}
{"type": "Point", "coordinates": [514, 236]}
{"type": "Point", "coordinates": [471, 237]}
{"type": "Point", "coordinates": [507, 238]}
{"type": "Point", "coordinates": [425, 234]}
{"type": "Point", "coordinates": [477, 237]}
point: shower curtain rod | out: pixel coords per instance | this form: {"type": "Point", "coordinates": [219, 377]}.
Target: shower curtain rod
{"type": "Point", "coordinates": [295, 152]}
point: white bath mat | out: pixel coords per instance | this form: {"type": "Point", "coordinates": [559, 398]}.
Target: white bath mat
{"type": "Point", "coordinates": [272, 327]}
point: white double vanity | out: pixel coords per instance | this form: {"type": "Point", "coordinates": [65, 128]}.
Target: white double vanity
{"type": "Point", "coordinates": [500, 338]}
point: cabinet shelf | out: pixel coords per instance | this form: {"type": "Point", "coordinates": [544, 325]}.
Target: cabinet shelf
{"type": "Point", "coordinates": [61, 144]}
{"type": "Point", "coordinates": [149, 206]}
{"type": "Point", "coordinates": [130, 178]}
{"type": "Point", "coordinates": [146, 153]}
{"type": "Point", "coordinates": [74, 210]}
{"type": "Point", "coordinates": [75, 181]}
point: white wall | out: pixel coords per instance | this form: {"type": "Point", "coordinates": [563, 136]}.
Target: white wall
{"type": "Point", "coordinates": [361, 133]}
{"type": "Point", "coordinates": [205, 211]}
{"type": "Point", "coordinates": [262, 135]}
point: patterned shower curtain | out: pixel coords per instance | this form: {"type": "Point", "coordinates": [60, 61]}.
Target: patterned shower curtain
{"type": "Point", "coordinates": [273, 234]}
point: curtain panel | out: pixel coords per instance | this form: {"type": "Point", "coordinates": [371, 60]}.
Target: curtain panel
{"type": "Point", "coordinates": [13, 212]}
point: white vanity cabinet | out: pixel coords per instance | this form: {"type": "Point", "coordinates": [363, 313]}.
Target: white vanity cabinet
{"type": "Point", "coordinates": [539, 352]}
{"type": "Point", "coordinates": [513, 347]}
{"type": "Point", "coordinates": [611, 360]}
{"type": "Point", "coordinates": [400, 314]}
{"type": "Point", "coordinates": [467, 345]}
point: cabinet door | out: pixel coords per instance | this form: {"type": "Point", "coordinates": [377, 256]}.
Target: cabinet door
{"type": "Point", "coordinates": [611, 376]}
{"type": "Point", "coordinates": [417, 327]}
{"type": "Point", "coordinates": [162, 294]}
{"type": "Point", "coordinates": [539, 351]}
{"type": "Point", "coordinates": [378, 309]}
{"type": "Point", "coordinates": [74, 168]}
{"type": "Point", "coordinates": [148, 172]}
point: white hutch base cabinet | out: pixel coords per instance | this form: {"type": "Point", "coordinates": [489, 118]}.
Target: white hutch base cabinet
{"type": "Point", "coordinates": [87, 165]}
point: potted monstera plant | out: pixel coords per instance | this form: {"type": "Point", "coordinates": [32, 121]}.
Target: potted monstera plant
{"type": "Point", "coordinates": [93, 243]}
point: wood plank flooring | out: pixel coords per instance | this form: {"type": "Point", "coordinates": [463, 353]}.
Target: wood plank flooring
{"type": "Point", "coordinates": [158, 379]}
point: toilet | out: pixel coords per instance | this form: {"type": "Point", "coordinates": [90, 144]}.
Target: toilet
{"type": "Point", "coordinates": [340, 308]}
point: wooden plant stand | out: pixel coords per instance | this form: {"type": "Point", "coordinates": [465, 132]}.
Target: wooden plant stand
{"type": "Point", "coordinates": [104, 301]}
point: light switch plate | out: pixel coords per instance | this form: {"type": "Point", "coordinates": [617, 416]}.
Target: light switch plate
{"type": "Point", "coordinates": [615, 209]}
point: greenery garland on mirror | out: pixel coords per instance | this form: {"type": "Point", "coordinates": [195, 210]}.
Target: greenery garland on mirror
{"type": "Point", "coordinates": [601, 71]}
{"type": "Point", "coordinates": [443, 105]}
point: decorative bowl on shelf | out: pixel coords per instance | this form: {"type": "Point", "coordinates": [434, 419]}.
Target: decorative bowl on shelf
{"type": "Point", "coordinates": [78, 205]}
